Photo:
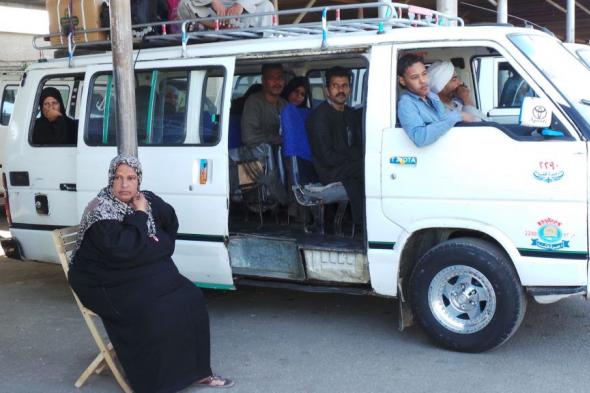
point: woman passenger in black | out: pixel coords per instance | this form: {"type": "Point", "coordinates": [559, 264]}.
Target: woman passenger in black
{"type": "Point", "coordinates": [54, 127]}
{"type": "Point", "coordinates": [122, 269]}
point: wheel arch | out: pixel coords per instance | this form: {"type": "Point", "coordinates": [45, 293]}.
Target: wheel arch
{"type": "Point", "coordinates": [422, 238]}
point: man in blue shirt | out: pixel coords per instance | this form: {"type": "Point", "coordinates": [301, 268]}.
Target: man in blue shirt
{"type": "Point", "coordinates": [420, 112]}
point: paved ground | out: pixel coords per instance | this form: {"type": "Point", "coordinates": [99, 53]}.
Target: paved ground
{"type": "Point", "coordinates": [282, 341]}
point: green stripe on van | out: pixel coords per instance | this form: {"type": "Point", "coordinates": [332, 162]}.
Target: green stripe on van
{"type": "Point", "coordinates": [150, 114]}
{"type": "Point", "coordinates": [107, 111]}
{"type": "Point", "coordinates": [227, 287]}
{"type": "Point", "coordinates": [382, 245]}
{"type": "Point", "coordinates": [535, 252]}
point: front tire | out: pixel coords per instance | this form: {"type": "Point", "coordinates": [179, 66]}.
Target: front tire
{"type": "Point", "coordinates": [466, 295]}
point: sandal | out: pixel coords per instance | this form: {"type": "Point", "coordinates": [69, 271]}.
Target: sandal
{"type": "Point", "coordinates": [215, 381]}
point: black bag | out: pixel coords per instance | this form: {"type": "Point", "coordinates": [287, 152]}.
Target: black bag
{"type": "Point", "coordinates": [105, 17]}
{"type": "Point", "coordinates": [142, 11]}
{"type": "Point", "coordinates": [148, 11]}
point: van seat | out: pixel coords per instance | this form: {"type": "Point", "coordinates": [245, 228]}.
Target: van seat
{"type": "Point", "coordinates": [302, 176]}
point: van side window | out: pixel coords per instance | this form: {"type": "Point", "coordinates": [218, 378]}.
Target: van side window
{"type": "Point", "coordinates": [55, 113]}
{"type": "Point", "coordinates": [489, 88]}
{"type": "Point", "coordinates": [163, 108]}
{"type": "Point", "coordinates": [211, 109]}
{"type": "Point", "coordinates": [8, 98]}
{"type": "Point", "coordinates": [511, 87]}
{"type": "Point", "coordinates": [242, 83]}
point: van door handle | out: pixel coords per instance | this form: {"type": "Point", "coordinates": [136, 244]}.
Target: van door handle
{"type": "Point", "coordinates": [67, 186]}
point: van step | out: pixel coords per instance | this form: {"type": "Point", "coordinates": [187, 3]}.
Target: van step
{"type": "Point", "coordinates": [336, 266]}
{"type": "Point", "coordinates": [259, 256]}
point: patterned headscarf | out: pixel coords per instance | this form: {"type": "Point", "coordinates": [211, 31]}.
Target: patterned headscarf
{"type": "Point", "coordinates": [107, 207]}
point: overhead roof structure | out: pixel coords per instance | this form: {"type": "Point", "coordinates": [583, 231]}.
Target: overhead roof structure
{"type": "Point", "coordinates": [550, 14]}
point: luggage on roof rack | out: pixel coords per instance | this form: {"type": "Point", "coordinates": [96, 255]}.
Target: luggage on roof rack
{"type": "Point", "coordinates": [325, 20]}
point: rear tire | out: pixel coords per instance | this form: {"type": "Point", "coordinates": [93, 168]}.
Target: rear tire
{"type": "Point", "coordinates": [466, 295]}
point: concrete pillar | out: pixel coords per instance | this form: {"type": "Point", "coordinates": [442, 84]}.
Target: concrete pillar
{"type": "Point", "coordinates": [502, 13]}
{"type": "Point", "coordinates": [448, 7]}
{"type": "Point", "coordinates": [122, 46]}
{"type": "Point", "coordinates": [570, 24]}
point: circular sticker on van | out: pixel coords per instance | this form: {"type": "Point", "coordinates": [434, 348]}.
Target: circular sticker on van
{"type": "Point", "coordinates": [550, 233]}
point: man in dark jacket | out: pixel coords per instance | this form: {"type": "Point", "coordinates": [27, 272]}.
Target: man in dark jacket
{"type": "Point", "coordinates": [335, 137]}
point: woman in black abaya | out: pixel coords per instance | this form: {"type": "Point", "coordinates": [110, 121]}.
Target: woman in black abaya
{"type": "Point", "coordinates": [54, 127]}
{"type": "Point", "coordinates": [122, 269]}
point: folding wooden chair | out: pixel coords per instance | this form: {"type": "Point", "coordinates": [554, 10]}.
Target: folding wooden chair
{"type": "Point", "coordinates": [65, 242]}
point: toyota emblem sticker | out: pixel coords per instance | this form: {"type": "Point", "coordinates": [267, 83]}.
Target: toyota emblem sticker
{"type": "Point", "coordinates": [535, 112]}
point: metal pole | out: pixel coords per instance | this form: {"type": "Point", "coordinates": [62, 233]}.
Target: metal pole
{"type": "Point", "coordinates": [448, 7]}
{"type": "Point", "coordinates": [502, 14]}
{"type": "Point", "coordinates": [570, 24]}
{"type": "Point", "coordinates": [382, 10]}
{"type": "Point", "coordinates": [122, 46]}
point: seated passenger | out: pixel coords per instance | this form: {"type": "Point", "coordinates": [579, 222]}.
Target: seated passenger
{"type": "Point", "coordinates": [260, 125]}
{"type": "Point", "coordinates": [294, 134]}
{"type": "Point", "coordinates": [421, 112]}
{"type": "Point", "coordinates": [174, 118]}
{"type": "Point", "coordinates": [260, 119]}
{"type": "Point", "coordinates": [189, 9]}
{"type": "Point", "coordinates": [296, 92]}
{"type": "Point", "coordinates": [171, 100]}
{"type": "Point", "coordinates": [54, 127]}
{"type": "Point", "coordinates": [335, 137]}
{"type": "Point", "coordinates": [451, 90]}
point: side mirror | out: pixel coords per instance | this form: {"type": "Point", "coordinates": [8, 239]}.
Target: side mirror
{"type": "Point", "coordinates": [535, 112]}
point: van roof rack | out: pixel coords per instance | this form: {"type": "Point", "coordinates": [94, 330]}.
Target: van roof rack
{"type": "Point", "coordinates": [524, 22]}
{"type": "Point", "coordinates": [327, 20]}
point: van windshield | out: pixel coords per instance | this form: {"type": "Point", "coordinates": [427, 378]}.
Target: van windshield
{"type": "Point", "coordinates": [584, 55]}
{"type": "Point", "coordinates": [563, 70]}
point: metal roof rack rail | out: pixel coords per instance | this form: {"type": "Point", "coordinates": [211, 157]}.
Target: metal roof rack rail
{"type": "Point", "coordinates": [191, 31]}
{"type": "Point", "coordinates": [525, 22]}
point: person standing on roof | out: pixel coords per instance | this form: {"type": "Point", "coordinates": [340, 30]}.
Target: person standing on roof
{"type": "Point", "coordinates": [189, 9]}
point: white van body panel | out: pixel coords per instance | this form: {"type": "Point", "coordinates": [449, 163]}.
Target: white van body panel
{"type": "Point", "coordinates": [49, 168]}
{"type": "Point", "coordinates": [9, 82]}
{"type": "Point", "coordinates": [383, 262]}
{"type": "Point", "coordinates": [465, 196]}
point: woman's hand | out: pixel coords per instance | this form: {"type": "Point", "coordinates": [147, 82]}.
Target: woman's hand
{"type": "Point", "coordinates": [139, 202]}
{"type": "Point", "coordinates": [51, 114]}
